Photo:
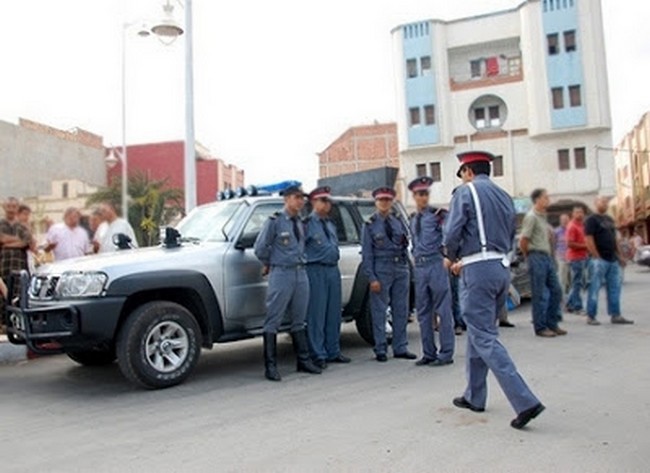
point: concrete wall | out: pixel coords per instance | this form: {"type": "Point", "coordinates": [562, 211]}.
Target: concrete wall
{"type": "Point", "coordinates": [33, 155]}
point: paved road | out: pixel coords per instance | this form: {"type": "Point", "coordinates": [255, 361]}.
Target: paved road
{"type": "Point", "coordinates": [394, 417]}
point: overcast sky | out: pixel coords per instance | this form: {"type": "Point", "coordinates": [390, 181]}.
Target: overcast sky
{"type": "Point", "coordinates": [275, 81]}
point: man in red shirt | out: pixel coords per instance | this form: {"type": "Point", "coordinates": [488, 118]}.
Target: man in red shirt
{"type": "Point", "coordinates": [577, 256]}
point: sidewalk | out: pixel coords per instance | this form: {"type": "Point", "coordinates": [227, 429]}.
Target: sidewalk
{"type": "Point", "coordinates": [11, 353]}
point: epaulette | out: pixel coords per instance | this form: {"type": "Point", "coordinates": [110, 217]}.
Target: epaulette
{"type": "Point", "coordinates": [274, 215]}
{"type": "Point", "coordinates": [413, 215]}
{"type": "Point", "coordinates": [306, 219]}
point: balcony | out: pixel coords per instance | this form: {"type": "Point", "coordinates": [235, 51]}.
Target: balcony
{"type": "Point", "coordinates": [485, 64]}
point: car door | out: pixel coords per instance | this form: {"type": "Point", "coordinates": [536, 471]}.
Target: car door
{"type": "Point", "coordinates": [349, 246]}
{"type": "Point", "coordinates": [245, 285]}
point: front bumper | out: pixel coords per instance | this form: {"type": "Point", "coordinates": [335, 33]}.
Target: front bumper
{"type": "Point", "coordinates": [58, 326]}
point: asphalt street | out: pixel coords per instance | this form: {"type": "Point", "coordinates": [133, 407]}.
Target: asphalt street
{"type": "Point", "coordinates": [366, 416]}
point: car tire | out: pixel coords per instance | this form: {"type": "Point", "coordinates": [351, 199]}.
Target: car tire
{"type": "Point", "coordinates": [93, 357]}
{"type": "Point", "coordinates": [364, 325]}
{"type": "Point", "coordinates": [159, 345]}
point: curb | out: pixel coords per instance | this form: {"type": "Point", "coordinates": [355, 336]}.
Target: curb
{"type": "Point", "coordinates": [10, 353]}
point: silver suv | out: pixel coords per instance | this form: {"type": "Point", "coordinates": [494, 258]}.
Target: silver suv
{"type": "Point", "coordinates": [154, 308]}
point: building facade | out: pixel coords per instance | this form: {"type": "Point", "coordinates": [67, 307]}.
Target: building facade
{"type": "Point", "coordinates": [165, 161]}
{"type": "Point", "coordinates": [33, 155]}
{"type": "Point", "coordinates": [633, 179]}
{"type": "Point", "coordinates": [362, 158]}
{"type": "Point", "coordinates": [527, 84]}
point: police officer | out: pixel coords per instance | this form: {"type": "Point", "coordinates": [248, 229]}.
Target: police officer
{"type": "Point", "coordinates": [385, 264]}
{"type": "Point", "coordinates": [324, 310]}
{"type": "Point", "coordinates": [479, 230]}
{"type": "Point", "coordinates": [432, 291]}
{"type": "Point", "coordinates": [280, 247]}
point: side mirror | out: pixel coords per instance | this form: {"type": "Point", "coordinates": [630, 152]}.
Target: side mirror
{"type": "Point", "coordinates": [172, 238]}
{"type": "Point", "coordinates": [122, 241]}
{"type": "Point", "coordinates": [247, 240]}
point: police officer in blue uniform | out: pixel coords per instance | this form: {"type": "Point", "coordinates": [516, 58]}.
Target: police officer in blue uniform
{"type": "Point", "coordinates": [385, 264]}
{"type": "Point", "coordinates": [324, 310]}
{"type": "Point", "coordinates": [432, 291]}
{"type": "Point", "coordinates": [280, 247]}
{"type": "Point", "coordinates": [479, 231]}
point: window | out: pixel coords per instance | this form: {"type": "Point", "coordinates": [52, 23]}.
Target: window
{"type": "Point", "coordinates": [420, 170]}
{"type": "Point", "coordinates": [558, 98]}
{"type": "Point", "coordinates": [479, 117]}
{"type": "Point", "coordinates": [570, 41]}
{"type": "Point", "coordinates": [436, 173]}
{"type": "Point", "coordinates": [429, 115]}
{"type": "Point", "coordinates": [475, 68]}
{"type": "Point", "coordinates": [425, 65]}
{"type": "Point", "coordinates": [414, 114]}
{"type": "Point", "coordinates": [411, 68]}
{"type": "Point", "coordinates": [497, 166]}
{"type": "Point", "coordinates": [563, 159]}
{"type": "Point", "coordinates": [64, 190]}
{"type": "Point", "coordinates": [552, 40]}
{"type": "Point", "coordinates": [257, 220]}
{"type": "Point", "coordinates": [514, 66]}
{"type": "Point", "coordinates": [574, 96]}
{"type": "Point", "coordinates": [346, 230]}
{"type": "Point", "coordinates": [580, 158]}
{"type": "Point", "coordinates": [493, 113]}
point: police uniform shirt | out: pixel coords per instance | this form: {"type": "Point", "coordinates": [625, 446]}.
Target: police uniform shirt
{"type": "Point", "coordinates": [278, 244]}
{"type": "Point", "coordinates": [426, 232]}
{"type": "Point", "coordinates": [321, 241]}
{"type": "Point", "coordinates": [382, 239]}
{"type": "Point", "coordinates": [460, 230]}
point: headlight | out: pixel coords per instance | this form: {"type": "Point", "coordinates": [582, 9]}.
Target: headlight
{"type": "Point", "coordinates": [84, 284]}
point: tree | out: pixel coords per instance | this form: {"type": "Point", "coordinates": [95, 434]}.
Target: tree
{"type": "Point", "coordinates": [152, 204]}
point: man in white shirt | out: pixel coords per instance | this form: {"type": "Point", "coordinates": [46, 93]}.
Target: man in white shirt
{"type": "Point", "coordinates": [115, 225]}
{"type": "Point", "coordinates": [68, 239]}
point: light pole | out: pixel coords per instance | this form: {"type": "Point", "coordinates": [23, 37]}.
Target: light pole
{"type": "Point", "coordinates": [143, 32]}
{"type": "Point", "coordinates": [168, 28]}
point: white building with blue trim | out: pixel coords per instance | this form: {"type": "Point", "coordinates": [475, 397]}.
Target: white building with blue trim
{"type": "Point", "coordinates": [527, 84]}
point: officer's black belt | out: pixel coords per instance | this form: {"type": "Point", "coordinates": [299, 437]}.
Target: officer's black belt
{"type": "Point", "coordinates": [295, 266]}
{"type": "Point", "coordinates": [317, 263]}
{"type": "Point", "coordinates": [395, 259]}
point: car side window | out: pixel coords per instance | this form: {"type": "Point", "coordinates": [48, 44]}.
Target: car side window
{"type": "Point", "coordinates": [256, 221]}
{"type": "Point", "coordinates": [345, 228]}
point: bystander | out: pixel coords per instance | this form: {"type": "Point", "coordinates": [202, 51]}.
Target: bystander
{"type": "Point", "coordinates": [563, 269]}
{"type": "Point", "coordinates": [115, 225]}
{"type": "Point", "coordinates": [68, 239]}
{"type": "Point", "coordinates": [578, 258]}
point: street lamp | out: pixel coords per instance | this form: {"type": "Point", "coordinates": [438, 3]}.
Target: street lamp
{"type": "Point", "coordinates": [168, 28]}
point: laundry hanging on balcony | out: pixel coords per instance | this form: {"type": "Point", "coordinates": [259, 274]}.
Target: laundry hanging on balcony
{"type": "Point", "coordinates": [492, 66]}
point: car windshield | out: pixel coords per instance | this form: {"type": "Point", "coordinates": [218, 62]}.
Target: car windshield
{"type": "Point", "coordinates": [210, 223]}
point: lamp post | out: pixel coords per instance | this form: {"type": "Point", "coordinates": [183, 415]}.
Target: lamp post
{"type": "Point", "coordinates": [143, 32]}
{"type": "Point", "coordinates": [169, 29]}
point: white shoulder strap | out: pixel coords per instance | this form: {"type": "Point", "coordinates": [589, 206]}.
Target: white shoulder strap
{"type": "Point", "coordinates": [479, 217]}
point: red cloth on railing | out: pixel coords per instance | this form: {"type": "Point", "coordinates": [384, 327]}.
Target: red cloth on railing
{"type": "Point", "coordinates": [492, 66]}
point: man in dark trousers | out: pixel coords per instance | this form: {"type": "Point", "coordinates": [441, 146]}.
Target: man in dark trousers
{"type": "Point", "coordinates": [324, 310]}
{"type": "Point", "coordinates": [482, 244]}
{"type": "Point", "coordinates": [280, 247]}
{"type": "Point", "coordinates": [384, 261]}
{"type": "Point", "coordinates": [432, 291]}
{"type": "Point", "coordinates": [546, 292]}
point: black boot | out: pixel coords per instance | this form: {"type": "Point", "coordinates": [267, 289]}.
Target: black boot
{"type": "Point", "coordinates": [270, 357]}
{"type": "Point", "coordinates": [301, 348]}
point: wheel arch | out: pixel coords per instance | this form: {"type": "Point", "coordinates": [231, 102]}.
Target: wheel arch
{"type": "Point", "coordinates": [187, 288]}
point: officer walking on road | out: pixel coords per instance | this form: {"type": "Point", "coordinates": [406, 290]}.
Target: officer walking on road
{"type": "Point", "coordinates": [432, 291]}
{"type": "Point", "coordinates": [480, 230]}
{"type": "Point", "coordinates": [280, 247]}
{"type": "Point", "coordinates": [385, 264]}
{"type": "Point", "coordinates": [324, 310]}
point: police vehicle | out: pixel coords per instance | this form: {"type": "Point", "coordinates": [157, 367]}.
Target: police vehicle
{"type": "Point", "coordinates": [153, 309]}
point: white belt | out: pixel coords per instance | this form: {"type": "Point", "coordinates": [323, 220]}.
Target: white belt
{"type": "Point", "coordinates": [484, 256]}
